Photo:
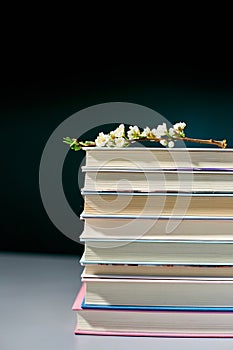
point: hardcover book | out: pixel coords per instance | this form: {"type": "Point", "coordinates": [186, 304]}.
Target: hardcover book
{"type": "Point", "coordinates": [164, 292]}
{"type": "Point", "coordinates": [150, 180]}
{"type": "Point", "coordinates": [128, 322]}
{"type": "Point", "coordinates": [158, 204]}
{"type": "Point", "coordinates": [159, 158]}
{"type": "Point", "coordinates": [156, 270]}
{"type": "Point", "coordinates": [159, 251]}
{"type": "Point", "coordinates": [157, 228]}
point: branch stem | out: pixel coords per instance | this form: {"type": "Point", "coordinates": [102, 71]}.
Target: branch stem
{"type": "Point", "coordinates": [221, 144]}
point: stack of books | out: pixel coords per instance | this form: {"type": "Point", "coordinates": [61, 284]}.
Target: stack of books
{"type": "Point", "coordinates": [158, 235]}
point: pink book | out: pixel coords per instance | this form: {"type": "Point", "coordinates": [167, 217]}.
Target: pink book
{"type": "Point", "coordinates": [156, 323]}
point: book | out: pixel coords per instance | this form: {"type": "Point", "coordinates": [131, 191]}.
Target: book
{"type": "Point", "coordinates": [150, 180]}
{"type": "Point", "coordinates": [160, 158]}
{"type": "Point", "coordinates": [158, 252]}
{"type": "Point", "coordinates": [158, 238]}
{"type": "Point", "coordinates": [160, 292]}
{"type": "Point", "coordinates": [128, 322]}
{"type": "Point", "coordinates": [157, 228]}
{"type": "Point", "coordinates": [150, 270]}
{"type": "Point", "coordinates": [158, 204]}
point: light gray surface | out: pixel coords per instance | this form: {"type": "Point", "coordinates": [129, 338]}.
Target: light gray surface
{"type": "Point", "coordinates": [36, 295]}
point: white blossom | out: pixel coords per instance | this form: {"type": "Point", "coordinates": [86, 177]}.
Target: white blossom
{"type": "Point", "coordinates": [133, 133]}
{"type": "Point", "coordinates": [120, 142]}
{"type": "Point", "coordinates": [102, 139]}
{"type": "Point", "coordinates": [163, 142]}
{"type": "Point", "coordinates": [172, 132]}
{"type": "Point", "coordinates": [148, 133]}
{"type": "Point", "coordinates": [153, 131]}
{"type": "Point", "coordinates": [110, 143]}
{"type": "Point", "coordinates": [171, 144]}
{"type": "Point", "coordinates": [161, 130]}
{"type": "Point", "coordinates": [118, 132]}
{"type": "Point", "coordinates": [179, 126]}
{"type": "Point", "coordinates": [116, 138]}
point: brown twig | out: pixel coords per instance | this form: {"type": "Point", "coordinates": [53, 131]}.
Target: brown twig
{"type": "Point", "coordinates": [221, 144]}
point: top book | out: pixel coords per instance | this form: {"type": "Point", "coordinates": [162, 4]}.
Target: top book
{"type": "Point", "coordinates": [160, 158]}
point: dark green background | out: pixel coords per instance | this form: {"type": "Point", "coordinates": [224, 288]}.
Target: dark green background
{"type": "Point", "coordinates": [35, 102]}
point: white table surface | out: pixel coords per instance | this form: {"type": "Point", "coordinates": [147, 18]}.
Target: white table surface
{"type": "Point", "coordinates": [36, 296]}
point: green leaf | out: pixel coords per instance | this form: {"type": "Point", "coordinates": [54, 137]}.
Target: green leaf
{"type": "Point", "coordinates": [68, 140]}
{"type": "Point", "coordinates": [75, 147]}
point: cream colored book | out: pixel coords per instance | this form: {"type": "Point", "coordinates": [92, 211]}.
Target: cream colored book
{"type": "Point", "coordinates": [147, 271]}
{"type": "Point", "coordinates": [149, 180]}
{"type": "Point", "coordinates": [158, 204]}
{"type": "Point", "coordinates": [178, 292]}
{"type": "Point", "coordinates": [159, 158]}
{"type": "Point", "coordinates": [158, 252]}
{"type": "Point", "coordinates": [153, 321]}
{"type": "Point", "coordinates": [157, 228]}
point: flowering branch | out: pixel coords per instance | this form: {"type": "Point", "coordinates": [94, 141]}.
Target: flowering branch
{"type": "Point", "coordinates": [118, 138]}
